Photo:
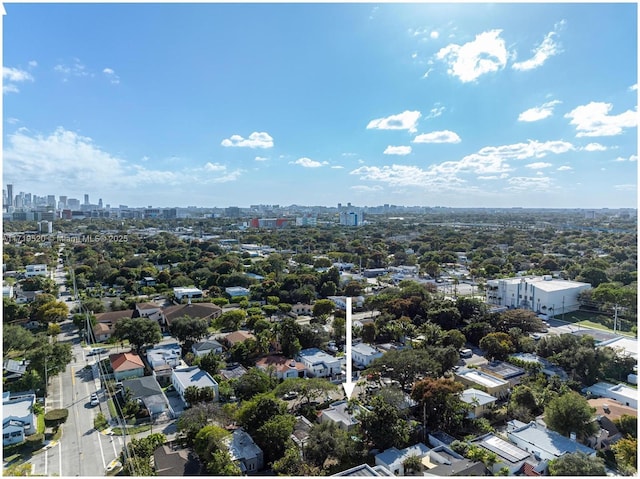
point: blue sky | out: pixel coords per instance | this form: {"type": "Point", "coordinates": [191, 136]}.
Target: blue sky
{"type": "Point", "coordinates": [463, 105]}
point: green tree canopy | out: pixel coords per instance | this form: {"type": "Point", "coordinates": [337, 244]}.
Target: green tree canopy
{"type": "Point", "coordinates": [570, 412]}
{"type": "Point", "coordinates": [577, 464]}
{"type": "Point", "coordinates": [189, 330]}
{"type": "Point", "coordinates": [382, 426]}
{"type": "Point", "coordinates": [141, 332]}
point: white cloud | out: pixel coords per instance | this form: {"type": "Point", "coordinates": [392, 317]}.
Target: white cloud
{"type": "Point", "coordinates": [76, 69]}
{"type": "Point", "coordinates": [522, 151]}
{"type": "Point", "coordinates": [397, 150]}
{"type": "Point", "coordinates": [634, 87]}
{"type": "Point", "coordinates": [488, 163]}
{"type": "Point", "coordinates": [403, 121]}
{"type": "Point", "coordinates": [594, 147]}
{"type": "Point", "coordinates": [308, 163]}
{"type": "Point", "coordinates": [214, 167]}
{"type": "Point", "coordinates": [444, 136]}
{"type": "Point", "coordinates": [261, 158]}
{"type": "Point", "coordinates": [367, 189]}
{"type": "Point", "coordinates": [33, 63]}
{"type": "Point", "coordinates": [523, 183]}
{"type": "Point", "coordinates": [627, 187]}
{"type": "Point", "coordinates": [426, 74]}
{"type": "Point", "coordinates": [541, 54]}
{"type": "Point", "coordinates": [622, 159]}
{"type": "Point", "coordinates": [538, 165]}
{"type": "Point", "coordinates": [65, 158]}
{"type": "Point", "coordinates": [255, 140]}
{"type": "Point", "coordinates": [115, 79]}
{"type": "Point", "coordinates": [435, 112]}
{"type": "Point", "coordinates": [594, 120]}
{"type": "Point", "coordinates": [10, 76]}
{"type": "Point", "coordinates": [487, 53]}
{"type": "Point", "coordinates": [565, 168]}
{"type": "Point", "coordinates": [337, 167]}
{"type": "Point", "coordinates": [539, 112]}
{"type": "Point", "coordinates": [434, 35]}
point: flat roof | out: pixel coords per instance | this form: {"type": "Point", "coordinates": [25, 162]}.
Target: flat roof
{"type": "Point", "coordinates": [503, 449]}
{"type": "Point", "coordinates": [194, 376]}
{"type": "Point", "coordinates": [482, 378]}
{"type": "Point", "coordinates": [503, 369]}
{"type": "Point", "coordinates": [549, 441]}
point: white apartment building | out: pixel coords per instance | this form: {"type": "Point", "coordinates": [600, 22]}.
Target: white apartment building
{"type": "Point", "coordinates": [36, 270]}
{"type": "Point", "coordinates": [541, 294]}
{"type": "Point", "coordinates": [363, 354]}
{"type": "Point", "coordinates": [319, 363]}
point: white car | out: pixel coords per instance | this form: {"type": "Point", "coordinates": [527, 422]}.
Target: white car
{"type": "Point", "coordinates": [94, 399]}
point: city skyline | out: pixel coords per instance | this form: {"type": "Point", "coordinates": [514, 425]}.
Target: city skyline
{"type": "Point", "coordinates": [475, 105]}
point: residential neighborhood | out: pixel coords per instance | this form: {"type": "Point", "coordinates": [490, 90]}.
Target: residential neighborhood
{"type": "Point", "coordinates": [461, 370]}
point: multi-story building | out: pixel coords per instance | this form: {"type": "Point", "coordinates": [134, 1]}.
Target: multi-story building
{"type": "Point", "coordinates": [36, 270]}
{"type": "Point", "coordinates": [543, 295]}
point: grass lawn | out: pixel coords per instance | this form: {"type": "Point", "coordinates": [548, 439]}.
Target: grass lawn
{"type": "Point", "coordinates": [598, 321]}
{"type": "Point", "coordinates": [40, 426]}
{"type": "Point", "coordinates": [131, 430]}
{"type": "Point", "coordinates": [112, 408]}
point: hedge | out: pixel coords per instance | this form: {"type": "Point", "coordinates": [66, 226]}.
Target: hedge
{"type": "Point", "coordinates": [55, 417]}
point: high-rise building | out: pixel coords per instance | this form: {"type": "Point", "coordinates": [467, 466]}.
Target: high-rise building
{"type": "Point", "coordinates": [86, 199]}
{"type": "Point", "coordinates": [100, 203]}
{"type": "Point", "coordinates": [51, 200]}
{"type": "Point", "coordinates": [9, 195]}
{"type": "Point", "coordinates": [62, 204]}
{"type": "Point", "coordinates": [73, 204]}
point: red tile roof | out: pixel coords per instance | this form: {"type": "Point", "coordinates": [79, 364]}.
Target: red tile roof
{"type": "Point", "coordinates": [125, 362]}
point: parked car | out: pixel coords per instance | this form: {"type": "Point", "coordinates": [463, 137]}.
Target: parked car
{"type": "Point", "coordinates": [290, 395]}
{"type": "Point", "coordinates": [94, 399]}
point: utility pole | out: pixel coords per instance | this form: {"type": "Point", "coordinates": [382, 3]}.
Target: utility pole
{"type": "Point", "coordinates": [615, 317]}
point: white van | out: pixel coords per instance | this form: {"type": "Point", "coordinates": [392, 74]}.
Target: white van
{"type": "Point", "coordinates": [466, 353]}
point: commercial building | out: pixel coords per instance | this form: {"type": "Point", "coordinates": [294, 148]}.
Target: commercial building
{"type": "Point", "coordinates": [541, 294]}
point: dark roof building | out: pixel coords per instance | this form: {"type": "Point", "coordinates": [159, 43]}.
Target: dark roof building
{"type": "Point", "coordinates": [174, 461]}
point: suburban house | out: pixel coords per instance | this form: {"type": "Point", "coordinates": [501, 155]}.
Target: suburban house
{"type": "Point", "coordinates": [319, 363]}
{"type": "Point", "coordinates": [126, 365]}
{"type": "Point", "coordinates": [176, 461]}
{"type": "Point", "coordinates": [479, 402]}
{"type": "Point", "coordinates": [36, 270]}
{"type": "Point", "coordinates": [147, 310]}
{"type": "Point", "coordinates": [473, 378]}
{"type": "Point", "coordinates": [106, 323]}
{"type": "Point", "coordinates": [299, 308]}
{"type": "Point", "coordinates": [282, 367]}
{"type": "Point", "coordinates": [244, 451]}
{"type": "Point", "coordinates": [364, 470]}
{"type": "Point", "coordinates": [543, 443]}
{"type": "Point", "coordinates": [190, 293]}
{"type": "Point", "coordinates": [620, 392]}
{"type": "Point", "coordinates": [14, 369]}
{"type": "Point", "coordinates": [300, 432]}
{"type": "Point", "coordinates": [341, 301]}
{"type": "Point", "coordinates": [443, 461]}
{"type": "Point", "coordinates": [150, 393]}
{"type": "Point", "coordinates": [182, 378]}
{"type": "Point", "coordinates": [508, 455]}
{"type": "Point", "coordinates": [237, 337]}
{"type": "Point", "coordinates": [202, 348]}
{"type": "Point", "coordinates": [164, 354]}
{"type": "Point", "coordinates": [541, 294]}
{"type": "Point", "coordinates": [233, 371]}
{"type": "Point", "coordinates": [502, 370]}
{"type": "Point", "coordinates": [363, 354]}
{"type": "Point", "coordinates": [341, 414]}
{"type": "Point", "coordinates": [546, 368]}
{"type": "Point", "coordinates": [207, 311]}
{"type": "Point", "coordinates": [235, 291]}
{"type": "Point", "coordinates": [18, 419]}
{"type": "Point", "coordinates": [607, 411]}
{"type": "Point", "coordinates": [393, 458]}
